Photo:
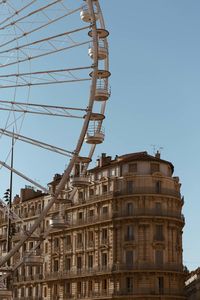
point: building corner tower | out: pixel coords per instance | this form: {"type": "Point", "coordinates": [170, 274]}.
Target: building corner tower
{"type": "Point", "coordinates": [146, 204]}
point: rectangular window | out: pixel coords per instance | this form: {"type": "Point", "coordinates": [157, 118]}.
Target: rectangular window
{"type": "Point", "coordinates": [104, 285]}
{"type": "Point", "coordinates": [132, 168]}
{"type": "Point", "coordinates": [80, 195]}
{"type": "Point", "coordinates": [161, 285]}
{"type": "Point", "coordinates": [104, 209]}
{"type": "Point", "coordinates": [79, 262]}
{"type": "Point", "coordinates": [67, 288]}
{"type": "Point", "coordinates": [4, 247]}
{"type": "Point", "coordinates": [91, 192]}
{"type": "Point", "coordinates": [158, 186]}
{"type": "Point", "coordinates": [38, 270]}
{"type": "Point", "coordinates": [90, 261]}
{"type": "Point", "coordinates": [129, 233]}
{"type": "Point", "coordinates": [104, 259]}
{"type": "Point", "coordinates": [30, 245]}
{"type": "Point", "coordinates": [159, 233]}
{"type": "Point", "coordinates": [159, 257]}
{"type": "Point", "coordinates": [158, 207]}
{"type": "Point", "coordinates": [30, 291]}
{"type": "Point", "coordinates": [129, 187]}
{"type": "Point", "coordinates": [79, 238]}
{"type": "Point", "coordinates": [68, 240]}
{"type": "Point", "coordinates": [30, 270]}
{"type": "Point", "coordinates": [129, 284]}
{"type": "Point", "coordinates": [36, 290]}
{"type": "Point", "coordinates": [56, 242]}
{"type": "Point", "coordinates": [104, 188]}
{"type": "Point", "coordinates": [80, 215]}
{"type": "Point", "coordinates": [129, 209]}
{"type": "Point", "coordinates": [90, 286]}
{"type": "Point", "coordinates": [68, 264]}
{"type": "Point", "coordinates": [79, 288]}
{"type": "Point", "coordinates": [155, 167]}
{"type": "Point", "coordinates": [55, 265]}
{"type": "Point", "coordinates": [45, 292]}
{"type": "Point", "coordinates": [129, 258]}
{"type": "Point", "coordinates": [104, 234]}
{"type": "Point", "coordinates": [55, 289]}
{"type": "Point", "coordinates": [91, 212]}
{"type": "Point", "coordinates": [90, 236]}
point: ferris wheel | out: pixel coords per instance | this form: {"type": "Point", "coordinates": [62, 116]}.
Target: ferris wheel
{"type": "Point", "coordinates": [54, 83]}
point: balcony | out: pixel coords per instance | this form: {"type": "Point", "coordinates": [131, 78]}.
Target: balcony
{"type": "Point", "coordinates": [80, 181]}
{"type": "Point", "coordinates": [147, 190]}
{"type": "Point", "coordinates": [28, 278]}
{"type": "Point", "coordinates": [5, 294]}
{"type": "Point", "coordinates": [102, 294]}
{"type": "Point", "coordinates": [77, 273]}
{"type": "Point", "coordinates": [29, 298]}
{"type": "Point", "coordinates": [147, 267]}
{"type": "Point", "coordinates": [150, 212]}
{"type": "Point", "coordinates": [91, 220]}
{"type": "Point", "coordinates": [149, 291]}
{"type": "Point", "coordinates": [33, 259]}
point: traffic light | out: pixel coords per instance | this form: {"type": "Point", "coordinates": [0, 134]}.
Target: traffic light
{"type": "Point", "coordinates": [7, 195]}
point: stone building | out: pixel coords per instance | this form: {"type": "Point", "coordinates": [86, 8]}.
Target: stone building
{"type": "Point", "coordinates": [120, 237]}
{"type": "Point", "coordinates": [192, 285]}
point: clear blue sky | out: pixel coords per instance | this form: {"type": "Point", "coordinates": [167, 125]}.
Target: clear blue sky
{"type": "Point", "coordinates": [155, 65]}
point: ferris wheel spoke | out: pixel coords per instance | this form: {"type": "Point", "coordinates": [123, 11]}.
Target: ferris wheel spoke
{"type": "Point", "coordinates": [20, 174]}
{"type": "Point", "coordinates": [62, 109]}
{"type": "Point", "coordinates": [16, 13]}
{"type": "Point", "coordinates": [44, 83]}
{"type": "Point", "coordinates": [43, 54]}
{"type": "Point", "coordinates": [27, 33]}
{"type": "Point", "coordinates": [37, 143]}
{"type": "Point", "coordinates": [49, 76]}
{"type": "Point", "coordinates": [53, 37]}
{"type": "Point", "coordinates": [45, 72]}
{"type": "Point", "coordinates": [45, 112]}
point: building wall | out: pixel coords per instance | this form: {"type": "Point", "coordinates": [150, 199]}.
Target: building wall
{"type": "Point", "coordinates": [124, 237]}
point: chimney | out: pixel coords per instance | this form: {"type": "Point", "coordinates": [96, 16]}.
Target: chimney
{"type": "Point", "coordinates": [104, 160]}
{"type": "Point", "coordinates": [157, 155]}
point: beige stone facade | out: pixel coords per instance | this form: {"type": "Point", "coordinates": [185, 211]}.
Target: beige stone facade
{"type": "Point", "coordinates": [123, 239]}
{"type": "Point", "coordinates": [192, 285]}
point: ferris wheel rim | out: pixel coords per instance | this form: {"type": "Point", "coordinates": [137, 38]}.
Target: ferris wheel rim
{"type": "Point", "coordinates": [87, 118]}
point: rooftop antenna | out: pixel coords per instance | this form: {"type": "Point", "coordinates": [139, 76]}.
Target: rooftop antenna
{"type": "Point", "coordinates": [156, 149]}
